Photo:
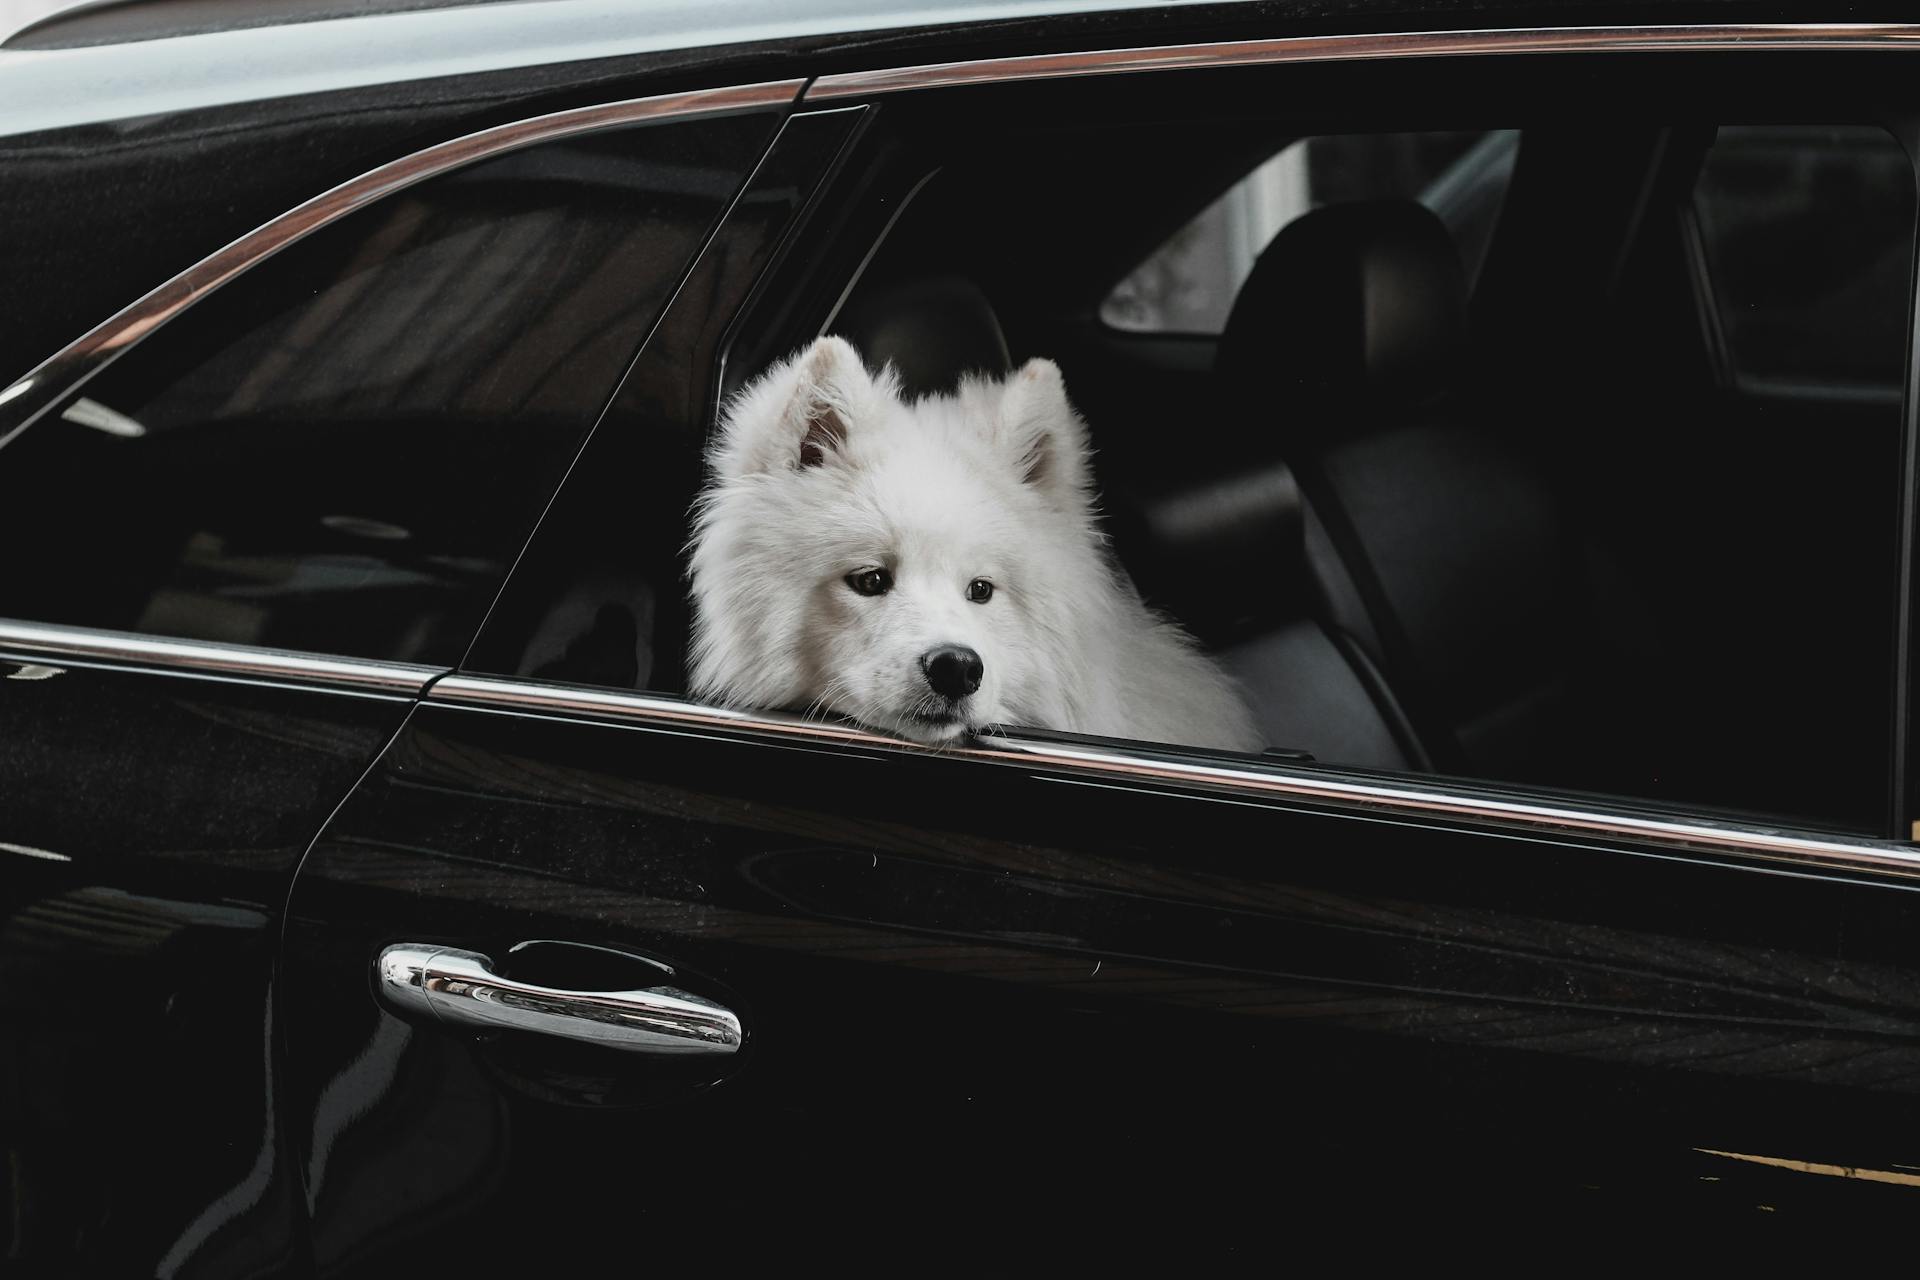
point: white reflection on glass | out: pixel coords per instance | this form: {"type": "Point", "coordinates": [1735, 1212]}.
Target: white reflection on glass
{"type": "Point", "coordinates": [91, 413]}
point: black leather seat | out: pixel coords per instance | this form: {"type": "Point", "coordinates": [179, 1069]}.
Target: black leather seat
{"type": "Point", "coordinates": [933, 330]}
{"type": "Point", "coordinates": [1439, 549]}
{"type": "Point", "coordinates": [1227, 557]}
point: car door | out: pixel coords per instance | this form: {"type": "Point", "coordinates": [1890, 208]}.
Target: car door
{"type": "Point", "coordinates": [241, 549]}
{"type": "Point", "coordinates": [872, 996]}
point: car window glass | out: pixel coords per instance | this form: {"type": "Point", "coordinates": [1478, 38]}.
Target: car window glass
{"type": "Point", "coordinates": [342, 450]}
{"type": "Point", "coordinates": [1187, 285]}
{"type": "Point", "coordinates": [1795, 301]}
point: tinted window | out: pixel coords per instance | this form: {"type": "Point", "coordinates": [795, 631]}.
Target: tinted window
{"type": "Point", "coordinates": [1807, 234]}
{"type": "Point", "coordinates": [343, 450]}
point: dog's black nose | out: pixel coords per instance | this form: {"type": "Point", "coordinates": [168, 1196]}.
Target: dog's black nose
{"type": "Point", "coordinates": [953, 672]}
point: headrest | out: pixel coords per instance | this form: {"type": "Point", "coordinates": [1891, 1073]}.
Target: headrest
{"type": "Point", "coordinates": [1226, 556]}
{"type": "Point", "coordinates": [1363, 301]}
{"type": "Point", "coordinates": [932, 330]}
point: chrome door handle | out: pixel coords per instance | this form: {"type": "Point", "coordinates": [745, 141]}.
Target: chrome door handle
{"type": "Point", "coordinates": [461, 987]}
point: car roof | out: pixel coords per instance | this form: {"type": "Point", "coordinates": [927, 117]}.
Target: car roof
{"type": "Point", "coordinates": [672, 23]}
{"type": "Point", "coordinates": [149, 57]}
{"type": "Point", "coordinates": [122, 59]}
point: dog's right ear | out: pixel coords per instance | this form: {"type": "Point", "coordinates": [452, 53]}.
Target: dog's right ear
{"type": "Point", "coordinates": [1038, 426]}
{"type": "Point", "coordinates": [797, 416]}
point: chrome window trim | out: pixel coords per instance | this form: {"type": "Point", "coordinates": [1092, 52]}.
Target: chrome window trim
{"type": "Point", "coordinates": [32, 395]}
{"type": "Point", "coordinates": [1410, 800]}
{"type": "Point", "coordinates": [1400, 44]}
{"type": "Point", "coordinates": [38, 642]}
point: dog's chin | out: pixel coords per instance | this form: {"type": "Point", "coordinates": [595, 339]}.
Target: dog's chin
{"type": "Point", "coordinates": [932, 729]}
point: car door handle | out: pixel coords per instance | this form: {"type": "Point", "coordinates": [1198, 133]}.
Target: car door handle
{"type": "Point", "coordinates": [460, 987]}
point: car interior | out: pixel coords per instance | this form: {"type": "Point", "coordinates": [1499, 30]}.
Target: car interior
{"type": "Point", "coordinates": [1502, 499]}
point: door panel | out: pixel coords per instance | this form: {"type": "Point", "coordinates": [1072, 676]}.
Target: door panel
{"type": "Point", "coordinates": [959, 975]}
{"type": "Point", "coordinates": [140, 898]}
{"type": "Point", "coordinates": [341, 452]}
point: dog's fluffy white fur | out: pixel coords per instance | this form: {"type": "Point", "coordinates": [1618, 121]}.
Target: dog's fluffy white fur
{"type": "Point", "coordinates": [822, 473]}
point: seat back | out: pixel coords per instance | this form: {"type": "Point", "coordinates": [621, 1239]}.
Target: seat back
{"type": "Point", "coordinates": [1439, 548]}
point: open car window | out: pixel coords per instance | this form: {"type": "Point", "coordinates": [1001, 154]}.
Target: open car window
{"type": "Point", "coordinates": [1459, 487]}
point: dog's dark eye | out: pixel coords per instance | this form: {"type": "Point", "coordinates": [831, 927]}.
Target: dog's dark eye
{"type": "Point", "coordinates": [871, 582]}
{"type": "Point", "coordinates": [979, 591]}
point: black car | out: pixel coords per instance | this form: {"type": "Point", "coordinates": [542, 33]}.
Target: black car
{"type": "Point", "coordinates": [1517, 401]}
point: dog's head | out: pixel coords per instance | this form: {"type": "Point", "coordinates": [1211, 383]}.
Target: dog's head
{"type": "Point", "coordinates": [909, 565]}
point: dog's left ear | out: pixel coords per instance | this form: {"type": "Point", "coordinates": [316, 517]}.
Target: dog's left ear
{"type": "Point", "coordinates": [1047, 438]}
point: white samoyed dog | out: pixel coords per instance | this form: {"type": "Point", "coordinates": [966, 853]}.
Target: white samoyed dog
{"type": "Point", "coordinates": [930, 568]}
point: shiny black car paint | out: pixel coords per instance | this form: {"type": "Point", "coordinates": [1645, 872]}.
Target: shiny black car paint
{"type": "Point", "coordinates": [150, 829]}
{"type": "Point", "coordinates": [966, 979]}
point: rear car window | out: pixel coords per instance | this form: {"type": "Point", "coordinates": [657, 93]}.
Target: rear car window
{"type": "Point", "coordinates": [1797, 303]}
{"type": "Point", "coordinates": [1188, 284]}
{"type": "Point", "coordinates": [342, 450]}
